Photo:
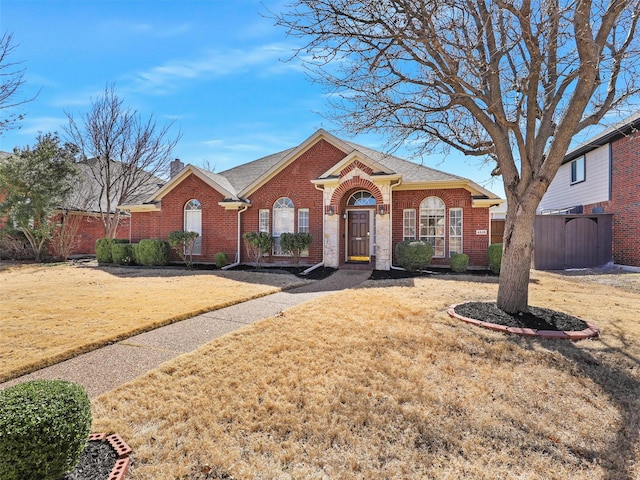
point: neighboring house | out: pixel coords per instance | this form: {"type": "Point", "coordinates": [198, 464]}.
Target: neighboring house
{"type": "Point", "coordinates": [603, 176]}
{"type": "Point", "coordinates": [357, 204]}
{"type": "Point", "coordinates": [86, 204]}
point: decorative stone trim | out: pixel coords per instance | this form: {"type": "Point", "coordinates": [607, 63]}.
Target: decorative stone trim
{"type": "Point", "coordinates": [592, 329]}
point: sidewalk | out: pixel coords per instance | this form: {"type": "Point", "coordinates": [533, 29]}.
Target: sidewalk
{"type": "Point", "coordinates": [106, 368]}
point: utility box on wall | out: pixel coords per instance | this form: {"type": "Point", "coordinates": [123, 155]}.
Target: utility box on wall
{"type": "Point", "coordinates": [572, 241]}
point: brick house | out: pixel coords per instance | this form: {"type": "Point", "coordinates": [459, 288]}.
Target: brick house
{"type": "Point", "coordinates": [603, 176]}
{"type": "Point", "coordinates": [357, 203]}
{"type": "Point", "coordinates": [85, 206]}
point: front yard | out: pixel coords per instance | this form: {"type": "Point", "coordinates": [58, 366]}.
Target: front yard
{"type": "Point", "coordinates": [380, 382]}
{"type": "Point", "coordinates": [52, 312]}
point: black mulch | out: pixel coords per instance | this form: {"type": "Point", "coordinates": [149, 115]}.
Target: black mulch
{"type": "Point", "coordinates": [536, 318]}
{"type": "Point", "coordinates": [96, 462]}
{"type": "Point", "coordinates": [398, 274]}
{"type": "Point", "coordinates": [319, 273]}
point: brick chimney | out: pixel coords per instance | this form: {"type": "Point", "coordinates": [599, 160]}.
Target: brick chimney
{"type": "Point", "coordinates": [175, 167]}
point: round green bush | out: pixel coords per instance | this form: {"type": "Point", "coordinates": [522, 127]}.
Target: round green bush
{"type": "Point", "coordinates": [495, 257]}
{"type": "Point", "coordinates": [221, 259]}
{"type": "Point", "coordinates": [459, 262]}
{"type": "Point", "coordinates": [414, 255]}
{"type": "Point", "coordinates": [103, 249]}
{"type": "Point", "coordinates": [153, 252]}
{"type": "Point", "coordinates": [44, 427]}
{"type": "Point", "coordinates": [122, 253]}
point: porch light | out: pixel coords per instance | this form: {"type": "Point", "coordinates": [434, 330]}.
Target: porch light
{"type": "Point", "coordinates": [381, 210]}
{"type": "Point", "coordinates": [331, 211]}
{"type": "Point", "coordinates": [344, 215]}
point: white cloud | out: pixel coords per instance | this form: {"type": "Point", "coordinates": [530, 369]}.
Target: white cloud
{"type": "Point", "coordinates": [261, 59]}
{"type": "Point", "coordinates": [163, 31]}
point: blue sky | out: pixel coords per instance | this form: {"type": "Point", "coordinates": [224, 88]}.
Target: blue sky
{"type": "Point", "coordinates": [214, 67]}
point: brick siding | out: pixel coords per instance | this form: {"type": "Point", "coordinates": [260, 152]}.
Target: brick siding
{"type": "Point", "coordinates": [475, 246]}
{"type": "Point", "coordinates": [219, 226]}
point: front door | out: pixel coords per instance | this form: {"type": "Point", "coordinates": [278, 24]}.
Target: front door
{"type": "Point", "coordinates": [358, 236]}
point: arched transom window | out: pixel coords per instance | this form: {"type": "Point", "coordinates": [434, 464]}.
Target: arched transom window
{"type": "Point", "coordinates": [193, 222]}
{"type": "Point", "coordinates": [283, 221]}
{"type": "Point", "coordinates": [432, 224]}
{"type": "Point", "coordinates": [361, 198]}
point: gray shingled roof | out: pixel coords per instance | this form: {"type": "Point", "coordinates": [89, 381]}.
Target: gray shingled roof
{"type": "Point", "coordinates": [242, 176]}
{"type": "Point", "coordinates": [411, 172]}
{"type": "Point", "coordinates": [220, 180]}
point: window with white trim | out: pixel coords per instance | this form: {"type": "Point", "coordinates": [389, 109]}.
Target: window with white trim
{"type": "Point", "coordinates": [263, 220]}
{"type": "Point", "coordinates": [455, 231]}
{"type": "Point", "coordinates": [193, 222]}
{"type": "Point", "coordinates": [303, 226]}
{"type": "Point", "coordinates": [283, 221]}
{"type": "Point", "coordinates": [432, 224]}
{"type": "Point", "coordinates": [303, 220]}
{"type": "Point", "coordinates": [409, 224]}
{"type": "Point", "coordinates": [578, 170]}
{"type": "Point", "coordinates": [361, 198]}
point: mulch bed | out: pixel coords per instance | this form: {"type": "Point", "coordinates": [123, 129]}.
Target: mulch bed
{"type": "Point", "coordinates": [400, 274]}
{"type": "Point", "coordinates": [319, 273]}
{"type": "Point", "coordinates": [96, 462]}
{"type": "Point", "coordinates": [536, 318]}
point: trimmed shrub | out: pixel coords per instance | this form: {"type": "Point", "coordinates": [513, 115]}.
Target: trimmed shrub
{"type": "Point", "coordinates": [122, 253]}
{"type": "Point", "coordinates": [221, 259]}
{"type": "Point", "coordinates": [183, 242]}
{"type": "Point", "coordinates": [414, 255]}
{"type": "Point", "coordinates": [103, 249]}
{"type": "Point", "coordinates": [495, 257]}
{"type": "Point", "coordinates": [135, 248]}
{"type": "Point", "coordinates": [259, 244]}
{"type": "Point", "coordinates": [44, 427]}
{"type": "Point", "coordinates": [295, 244]}
{"type": "Point", "coordinates": [459, 262]}
{"type": "Point", "coordinates": [153, 253]}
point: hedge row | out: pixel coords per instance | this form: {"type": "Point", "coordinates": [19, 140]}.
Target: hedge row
{"type": "Point", "coordinates": [121, 252]}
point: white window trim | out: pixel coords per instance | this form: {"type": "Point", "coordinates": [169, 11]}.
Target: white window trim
{"type": "Point", "coordinates": [187, 224]}
{"type": "Point", "coordinates": [435, 236]}
{"type": "Point", "coordinates": [412, 226]}
{"type": "Point", "coordinates": [304, 253]}
{"type": "Point", "coordinates": [576, 162]}
{"type": "Point", "coordinates": [451, 235]}
{"type": "Point", "coordinates": [263, 223]}
{"type": "Point", "coordinates": [276, 235]}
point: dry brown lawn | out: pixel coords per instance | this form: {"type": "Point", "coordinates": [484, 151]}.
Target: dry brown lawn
{"type": "Point", "coordinates": [49, 313]}
{"type": "Point", "coordinates": [380, 382]}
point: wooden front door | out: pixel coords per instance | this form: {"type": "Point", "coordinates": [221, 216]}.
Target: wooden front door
{"type": "Point", "coordinates": [358, 236]}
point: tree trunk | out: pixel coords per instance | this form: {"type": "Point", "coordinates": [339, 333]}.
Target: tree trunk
{"type": "Point", "coordinates": [517, 248]}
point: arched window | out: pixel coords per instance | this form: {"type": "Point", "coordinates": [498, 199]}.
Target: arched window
{"type": "Point", "coordinates": [283, 221]}
{"type": "Point", "coordinates": [432, 224]}
{"type": "Point", "coordinates": [193, 222]}
{"type": "Point", "coordinates": [361, 198]}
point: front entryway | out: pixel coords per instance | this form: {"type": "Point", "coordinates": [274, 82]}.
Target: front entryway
{"type": "Point", "coordinates": [358, 236]}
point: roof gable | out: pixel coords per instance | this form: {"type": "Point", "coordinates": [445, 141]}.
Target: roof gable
{"type": "Point", "coordinates": [251, 176]}
{"type": "Point", "coordinates": [214, 180]}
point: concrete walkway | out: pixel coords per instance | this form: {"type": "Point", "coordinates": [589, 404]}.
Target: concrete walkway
{"type": "Point", "coordinates": [106, 368]}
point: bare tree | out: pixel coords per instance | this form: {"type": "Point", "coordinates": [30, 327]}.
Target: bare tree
{"type": "Point", "coordinates": [511, 80]}
{"type": "Point", "coordinates": [126, 156]}
{"type": "Point", "coordinates": [11, 80]}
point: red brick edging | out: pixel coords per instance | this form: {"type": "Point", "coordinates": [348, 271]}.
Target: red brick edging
{"type": "Point", "coordinates": [122, 450]}
{"type": "Point", "coordinates": [592, 329]}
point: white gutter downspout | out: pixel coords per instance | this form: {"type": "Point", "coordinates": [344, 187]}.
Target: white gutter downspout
{"type": "Point", "coordinates": [318, 265]}
{"type": "Point", "coordinates": [237, 259]}
{"type": "Point", "coordinates": [391, 185]}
